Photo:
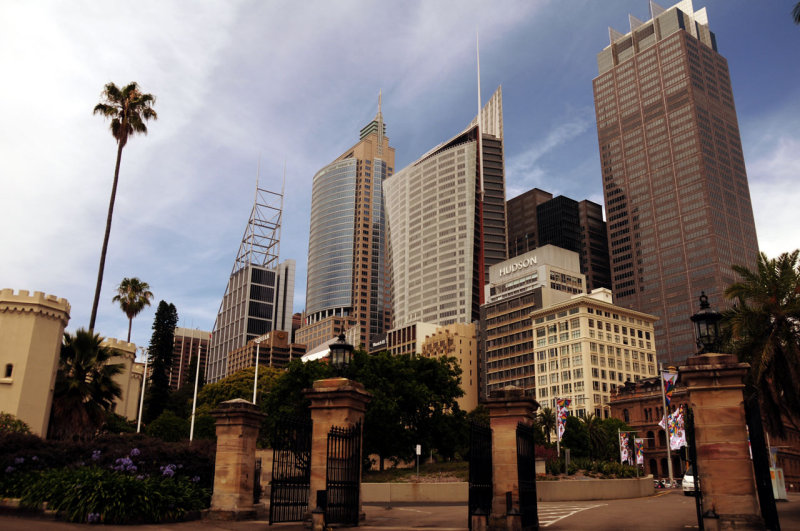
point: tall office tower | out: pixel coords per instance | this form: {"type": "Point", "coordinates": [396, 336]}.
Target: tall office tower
{"type": "Point", "coordinates": [347, 246]}
{"type": "Point", "coordinates": [447, 224]}
{"type": "Point", "coordinates": [259, 297]}
{"type": "Point", "coordinates": [523, 227]}
{"type": "Point", "coordinates": [677, 200]}
{"type": "Point", "coordinates": [536, 219]}
{"type": "Point", "coordinates": [189, 346]}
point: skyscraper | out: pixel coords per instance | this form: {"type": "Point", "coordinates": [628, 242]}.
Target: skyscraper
{"type": "Point", "coordinates": [447, 224]}
{"type": "Point", "coordinates": [347, 246]}
{"type": "Point", "coordinates": [536, 218]}
{"type": "Point", "coordinates": [676, 195]}
{"type": "Point", "coordinates": [260, 292]}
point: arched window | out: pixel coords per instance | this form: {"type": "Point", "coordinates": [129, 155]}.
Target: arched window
{"type": "Point", "coordinates": [9, 370]}
{"type": "Point", "coordinates": [664, 469]}
{"type": "Point", "coordinates": [626, 416]}
{"type": "Point", "coordinates": [662, 439]}
{"type": "Point", "coordinates": [653, 468]}
{"type": "Point", "coordinates": [651, 442]}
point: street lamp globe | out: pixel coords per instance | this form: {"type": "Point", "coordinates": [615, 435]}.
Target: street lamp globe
{"type": "Point", "coordinates": [341, 354]}
{"type": "Point", "coordinates": [706, 323]}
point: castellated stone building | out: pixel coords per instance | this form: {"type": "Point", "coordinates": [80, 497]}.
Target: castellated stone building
{"type": "Point", "coordinates": [31, 328]}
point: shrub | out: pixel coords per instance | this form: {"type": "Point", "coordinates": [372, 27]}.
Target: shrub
{"type": "Point", "coordinates": [11, 424]}
{"type": "Point", "coordinates": [169, 427]}
{"type": "Point", "coordinates": [95, 495]}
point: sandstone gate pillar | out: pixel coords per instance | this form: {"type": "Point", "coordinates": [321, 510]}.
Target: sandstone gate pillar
{"type": "Point", "coordinates": [334, 402]}
{"type": "Point", "coordinates": [238, 422]}
{"type": "Point", "coordinates": [507, 408]}
{"type": "Point", "coordinates": [727, 482]}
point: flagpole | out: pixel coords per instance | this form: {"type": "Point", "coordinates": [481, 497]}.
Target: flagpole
{"type": "Point", "coordinates": [664, 406]}
{"type": "Point", "coordinates": [558, 437]}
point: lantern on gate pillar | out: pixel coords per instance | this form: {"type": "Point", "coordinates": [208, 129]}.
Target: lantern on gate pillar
{"type": "Point", "coordinates": [706, 324]}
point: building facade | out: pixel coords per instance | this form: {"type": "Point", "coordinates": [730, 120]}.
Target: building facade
{"type": "Point", "coordinates": [347, 275]}
{"type": "Point", "coordinates": [536, 218]}
{"type": "Point", "coordinates": [189, 347]}
{"type": "Point", "coordinates": [675, 187]}
{"type": "Point", "coordinates": [273, 349]}
{"type": "Point", "coordinates": [586, 347]}
{"type": "Point", "coordinates": [259, 296]}
{"type": "Point", "coordinates": [447, 224]}
{"type": "Point", "coordinates": [517, 287]}
{"type": "Point", "coordinates": [458, 341]}
{"type": "Point", "coordinates": [31, 333]}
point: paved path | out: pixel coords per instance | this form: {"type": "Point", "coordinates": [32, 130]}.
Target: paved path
{"type": "Point", "coordinates": [668, 510]}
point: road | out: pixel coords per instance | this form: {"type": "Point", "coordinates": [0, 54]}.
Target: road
{"type": "Point", "coordinates": [668, 510]}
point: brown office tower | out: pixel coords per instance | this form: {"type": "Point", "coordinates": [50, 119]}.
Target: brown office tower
{"type": "Point", "coordinates": [677, 201]}
{"type": "Point", "coordinates": [189, 345]}
{"type": "Point", "coordinates": [347, 274]}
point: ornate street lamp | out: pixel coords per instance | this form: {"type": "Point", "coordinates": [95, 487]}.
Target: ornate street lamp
{"type": "Point", "coordinates": [341, 354]}
{"type": "Point", "coordinates": [706, 323]}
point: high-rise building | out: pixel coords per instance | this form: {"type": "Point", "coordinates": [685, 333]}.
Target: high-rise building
{"type": "Point", "coordinates": [259, 296]}
{"type": "Point", "coordinates": [447, 224]}
{"type": "Point", "coordinates": [457, 341]}
{"type": "Point", "coordinates": [676, 194]}
{"type": "Point", "coordinates": [189, 347]}
{"type": "Point", "coordinates": [536, 218]}
{"type": "Point", "coordinates": [347, 274]}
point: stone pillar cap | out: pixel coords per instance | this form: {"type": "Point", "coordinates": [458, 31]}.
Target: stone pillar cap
{"type": "Point", "coordinates": [237, 406]}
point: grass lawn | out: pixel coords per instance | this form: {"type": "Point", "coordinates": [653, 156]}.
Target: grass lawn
{"type": "Point", "coordinates": [428, 473]}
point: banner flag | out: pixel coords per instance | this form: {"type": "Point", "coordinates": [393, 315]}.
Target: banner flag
{"type": "Point", "coordinates": [562, 404]}
{"type": "Point", "coordinates": [639, 444]}
{"type": "Point", "coordinates": [670, 379]}
{"type": "Point", "coordinates": [663, 423]}
{"type": "Point", "coordinates": [624, 454]}
{"type": "Point", "coordinates": [677, 433]}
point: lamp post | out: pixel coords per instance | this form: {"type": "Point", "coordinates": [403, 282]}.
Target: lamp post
{"type": "Point", "coordinates": [706, 323]}
{"type": "Point", "coordinates": [341, 355]}
{"type": "Point", "coordinates": [141, 398]}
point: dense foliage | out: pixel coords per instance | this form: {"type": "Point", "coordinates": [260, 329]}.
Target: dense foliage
{"type": "Point", "coordinates": [10, 423]}
{"type": "Point", "coordinates": [763, 329]}
{"type": "Point", "coordinates": [160, 359]}
{"type": "Point", "coordinates": [132, 295]}
{"type": "Point", "coordinates": [85, 388]}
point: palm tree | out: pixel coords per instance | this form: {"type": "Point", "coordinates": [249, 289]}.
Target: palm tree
{"type": "Point", "coordinates": [85, 388]}
{"type": "Point", "coordinates": [132, 295]}
{"type": "Point", "coordinates": [796, 13]}
{"type": "Point", "coordinates": [547, 419]}
{"type": "Point", "coordinates": [764, 331]}
{"type": "Point", "coordinates": [129, 108]}
{"type": "Point", "coordinates": [597, 436]}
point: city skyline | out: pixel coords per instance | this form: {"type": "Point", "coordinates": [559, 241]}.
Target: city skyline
{"type": "Point", "coordinates": [239, 83]}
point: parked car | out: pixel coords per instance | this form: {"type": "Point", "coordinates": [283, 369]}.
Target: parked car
{"type": "Point", "coordinates": [689, 482]}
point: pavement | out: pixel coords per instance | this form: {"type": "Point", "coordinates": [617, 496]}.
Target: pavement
{"type": "Point", "coordinates": [668, 510]}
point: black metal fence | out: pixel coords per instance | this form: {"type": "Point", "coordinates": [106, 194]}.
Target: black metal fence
{"type": "Point", "coordinates": [691, 443]}
{"type": "Point", "coordinates": [291, 470]}
{"type": "Point", "coordinates": [343, 477]}
{"type": "Point", "coordinates": [480, 470]}
{"type": "Point", "coordinates": [526, 476]}
{"type": "Point", "coordinates": [257, 481]}
{"type": "Point", "coordinates": [758, 446]}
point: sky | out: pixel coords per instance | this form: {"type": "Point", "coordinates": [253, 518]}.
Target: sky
{"type": "Point", "coordinates": [243, 85]}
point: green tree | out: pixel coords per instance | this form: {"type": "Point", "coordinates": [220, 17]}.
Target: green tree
{"type": "Point", "coordinates": [160, 359]}
{"type": "Point", "coordinates": [595, 435]}
{"type": "Point", "coordinates": [576, 437]}
{"type": "Point", "coordinates": [547, 420]}
{"type": "Point", "coordinates": [85, 388]}
{"type": "Point", "coordinates": [612, 427]}
{"type": "Point", "coordinates": [763, 328]}
{"type": "Point", "coordinates": [132, 295]}
{"type": "Point", "coordinates": [169, 427]}
{"type": "Point", "coordinates": [128, 108]}
{"type": "Point", "coordinates": [238, 385]}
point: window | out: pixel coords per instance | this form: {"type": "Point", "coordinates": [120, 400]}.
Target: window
{"type": "Point", "coordinates": [9, 370]}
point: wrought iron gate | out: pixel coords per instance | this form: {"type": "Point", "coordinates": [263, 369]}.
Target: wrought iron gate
{"type": "Point", "coordinates": [691, 443]}
{"type": "Point", "coordinates": [343, 479]}
{"type": "Point", "coordinates": [526, 476]}
{"type": "Point", "coordinates": [291, 470]}
{"type": "Point", "coordinates": [758, 445]}
{"type": "Point", "coordinates": [480, 470]}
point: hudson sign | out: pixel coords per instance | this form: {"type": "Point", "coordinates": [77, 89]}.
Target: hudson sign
{"type": "Point", "coordinates": [516, 266]}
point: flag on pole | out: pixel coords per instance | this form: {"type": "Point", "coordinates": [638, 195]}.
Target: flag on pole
{"type": "Point", "coordinates": [562, 404]}
{"type": "Point", "coordinates": [639, 445]}
{"type": "Point", "coordinates": [663, 423]}
{"type": "Point", "coordinates": [670, 379]}
{"type": "Point", "coordinates": [624, 454]}
{"type": "Point", "coordinates": [677, 433]}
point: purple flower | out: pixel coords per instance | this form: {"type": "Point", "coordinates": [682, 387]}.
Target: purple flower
{"type": "Point", "coordinates": [168, 470]}
{"type": "Point", "coordinates": [9, 469]}
{"type": "Point", "coordinates": [196, 479]}
{"type": "Point", "coordinates": [96, 455]}
{"type": "Point", "coordinates": [19, 460]}
{"type": "Point", "coordinates": [34, 458]}
{"type": "Point", "coordinates": [135, 452]}
{"type": "Point", "coordinates": [93, 518]}
{"type": "Point", "coordinates": [140, 477]}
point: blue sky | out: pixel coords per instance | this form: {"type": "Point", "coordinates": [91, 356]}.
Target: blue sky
{"type": "Point", "coordinates": [294, 82]}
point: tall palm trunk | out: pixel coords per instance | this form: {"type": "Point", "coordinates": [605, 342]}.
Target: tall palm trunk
{"type": "Point", "coordinates": [105, 243]}
{"type": "Point", "coordinates": [130, 324]}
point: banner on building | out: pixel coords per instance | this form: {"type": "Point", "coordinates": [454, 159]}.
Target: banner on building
{"type": "Point", "coordinates": [561, 415]}
{"type": "Point", "coordinates": [670, 379]}
{"type": "Point", "coordinates": [624, 453]}
{"type": "Point", "coordinates": [639, 445]}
